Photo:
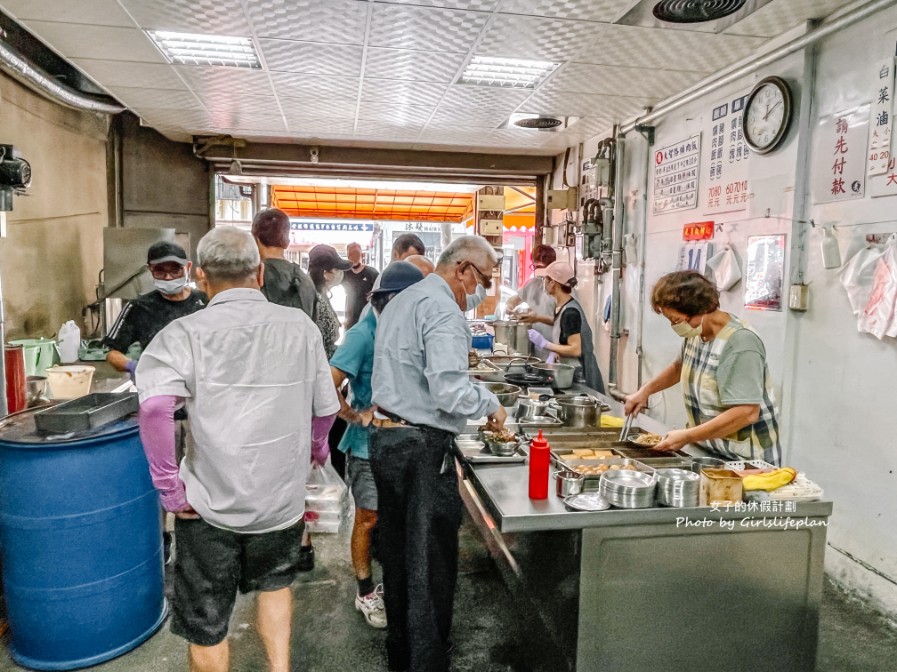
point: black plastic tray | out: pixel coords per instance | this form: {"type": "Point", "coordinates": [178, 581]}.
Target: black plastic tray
{"type": "Point", "coordinates": [87, 412]}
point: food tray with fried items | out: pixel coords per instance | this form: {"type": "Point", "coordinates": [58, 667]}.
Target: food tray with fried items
{"type": "Point", "coordinates": [475, 450]}
{"type": "Point", "coordinates": [592, 468]}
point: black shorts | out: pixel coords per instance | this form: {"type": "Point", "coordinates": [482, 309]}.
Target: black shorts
{"type": "Point", "coordinates": [212, 564]}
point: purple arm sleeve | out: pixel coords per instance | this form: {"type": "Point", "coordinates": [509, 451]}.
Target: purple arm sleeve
{"type": "Point", "coordinates": [157, 433]}
{"type": "Point", "coordinates": [320, 427]}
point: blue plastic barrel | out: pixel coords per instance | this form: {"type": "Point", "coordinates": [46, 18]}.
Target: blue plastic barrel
{"type": "Point", "coordinates": [81, 541]}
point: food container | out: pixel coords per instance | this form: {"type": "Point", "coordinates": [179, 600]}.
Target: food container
{"type": "Point", "coordinates": [87, 412]}
{"type": "Point", "coordinates": [513, 335]}
{"type": "Point", "coordinates": [578, 411]}
{"type": "Point", "coordinates": [720, 486]}
{"type": "Point", "coordinates": [507, 394]}
{"type": "Point", "coordinates": [69, 382]}
{"type": "Point", "coordinates": [561, 374]}
{"type": "Point", "coordinates": [502, 448]}
{"type": "Point", "coordinates": [567, 483]}
{"type": "Point", "coordinates": [699, 463]}
{"type": "Point", "coordinates": [592, 469]}
{"type": "Point", "coordinates": [482, 341]}
{"type": "Point", "coordinates": [528, 410]}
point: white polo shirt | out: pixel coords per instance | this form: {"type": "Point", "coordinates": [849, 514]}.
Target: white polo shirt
{"type": "Point", "coordinates": [252, 373]}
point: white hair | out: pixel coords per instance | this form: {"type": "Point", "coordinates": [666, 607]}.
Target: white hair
{"type": "Point", "coordinates": [227, 253]}
{"type": "Point", "coordinates": [466, 248]}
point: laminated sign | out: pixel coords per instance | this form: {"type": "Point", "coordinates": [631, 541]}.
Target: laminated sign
{"type": "Point", "coordinates": [676, 171]}
{"type": "Point", "coordinates": [839, 170]}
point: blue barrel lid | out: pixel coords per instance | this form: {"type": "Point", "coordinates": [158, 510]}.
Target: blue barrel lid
{"type": "Point", "coordinates": [20, 428]}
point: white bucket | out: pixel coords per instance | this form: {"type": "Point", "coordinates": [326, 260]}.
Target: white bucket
{"type": "Point", "coordinates": [69, 382]}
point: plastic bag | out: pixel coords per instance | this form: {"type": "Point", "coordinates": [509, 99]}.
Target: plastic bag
{"type": "Point", "coordinates": [858, 274]}
{"type": "Point", "coordinates": [878, 317]}
{"type": "Point", "coordinates": [726, 269]}
{"type": "Point", "coordinates": [326, 500]}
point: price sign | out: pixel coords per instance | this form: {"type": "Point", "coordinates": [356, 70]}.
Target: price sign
{"type": "Point", "coordinates": [698, 231]}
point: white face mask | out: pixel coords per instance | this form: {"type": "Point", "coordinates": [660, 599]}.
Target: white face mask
{"type": "Point", "coordinates": [685, 330]}
{"type": "Point", "coordinates": [171, 287]}
{"type": "Point", "coordinates": [336, 276]}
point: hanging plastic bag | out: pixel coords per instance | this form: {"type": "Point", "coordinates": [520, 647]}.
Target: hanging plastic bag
{"type": "Point", "coordinates": [858, 274]}
{"type": "Point", "coordinates": [726, 269]}
{"type": "Point", "coordinates": [326, 500]}
{"type": "Point", "coordinates": [878, 317]}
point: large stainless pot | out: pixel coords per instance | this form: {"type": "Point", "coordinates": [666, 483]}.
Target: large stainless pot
{"type": "Point", "coordinates": [578, 412]}
{"type": "Point", "coordinates": [562, 374]}
{"type": "Point", "coordinates": [507, 394]}
{"type": "Point", "coordinates": [529, 410]}
{"type": "Point", "coordinates": [513, 335]}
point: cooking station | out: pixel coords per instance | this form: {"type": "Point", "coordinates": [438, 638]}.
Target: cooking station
{"type": "Point", "coordinates": [657, 588]}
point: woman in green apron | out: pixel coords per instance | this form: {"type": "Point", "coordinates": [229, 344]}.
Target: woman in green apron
{"type": "Point", "coordinates": [729, 401]}
{"type": "Point", "coordinates": [571, 340]}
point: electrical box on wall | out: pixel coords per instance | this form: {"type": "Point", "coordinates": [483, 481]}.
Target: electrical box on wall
{"type": "Point", "coordinates": [491, 202]}
{"type": "Point", "coordinates": [595, 176]}
{"type": "Point", "coordinates": [562, 199]}
{"type": "Point", "coordinates": [490, 227]}
{"type": "Point", "coordinates": [799, 298]}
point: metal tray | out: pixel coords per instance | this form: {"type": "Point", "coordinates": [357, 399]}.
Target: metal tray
{"type": "Point", "coordinates": [87, 412]}
{"type": "Point", "coordinates": [591, 481]}
{"type": "Point", "coordinates": [475, 451]}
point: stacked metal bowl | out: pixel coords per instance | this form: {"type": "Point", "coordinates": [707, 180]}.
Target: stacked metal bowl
{"type": "Point", "coordinates": [628, 489]}
{"type": "Point", "coordinates": [678, 488]}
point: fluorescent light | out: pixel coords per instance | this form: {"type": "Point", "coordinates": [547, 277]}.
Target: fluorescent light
{"type": "Point", "coordinates": [192, 49]}
{"type": "Point", "coordinates": [514, 73]}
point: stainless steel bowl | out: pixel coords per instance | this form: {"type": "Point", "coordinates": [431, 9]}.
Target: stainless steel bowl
{"type": "Point", "coordinates": [562, 374]}
{"type": "Point", "coordinates": [568, 483]}
{"type": "Point", "coordinates": [502, 449]}
{"type": "Point", "coordinates": [507, 394]}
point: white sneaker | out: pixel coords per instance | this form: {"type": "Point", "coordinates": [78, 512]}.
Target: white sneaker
{"type": "Point", "coordinates": [371, 605]}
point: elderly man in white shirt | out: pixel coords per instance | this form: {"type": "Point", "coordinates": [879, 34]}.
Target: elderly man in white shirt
{"type": "Point", "coordinates": [257, 387]}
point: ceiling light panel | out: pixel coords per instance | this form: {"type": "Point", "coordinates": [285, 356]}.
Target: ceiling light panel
{"type": "Point", "coordinates": [536, 38]}
{"type": "Point", "coordinates": [330, 22]}
{"type": "Point", "coordinates": [311, 58]}
{"type": "Point", "coordinates": [419, 66]}
{"type": "Point", "coordinates": [206, 17]}
{"type": "Point", "coordinates": [592, 10]}
{"type": "Point", "coordinates": [506, 72]}
{"type": "Point", "coordinates": [208, 50]}
{"type": "Point", "coordinates": [404, 27]}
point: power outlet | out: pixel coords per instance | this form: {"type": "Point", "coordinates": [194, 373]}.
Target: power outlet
{"type": "Point", "coordinates": [799, 298]}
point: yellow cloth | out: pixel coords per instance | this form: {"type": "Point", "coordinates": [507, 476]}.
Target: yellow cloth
{"type": "Point", "coordinates": [611, 421]}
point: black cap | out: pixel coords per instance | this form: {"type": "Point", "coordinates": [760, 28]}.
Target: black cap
{"type": "Point", "coordinates": [326, 258]}
{"type": "Point", "coordinates": [398, 276]}
{"type": "Point", "coordinates": [165, 251]}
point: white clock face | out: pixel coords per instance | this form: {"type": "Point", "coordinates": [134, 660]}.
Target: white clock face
{"type": "Point", "coordinates": [766, 116]}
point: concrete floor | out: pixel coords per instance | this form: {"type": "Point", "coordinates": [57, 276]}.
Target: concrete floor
{"type": "Point", "coordinates": [491, 633]}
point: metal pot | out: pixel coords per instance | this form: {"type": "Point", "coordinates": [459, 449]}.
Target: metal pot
{"type": "Point", "coordinates": [579, 411]}
{"type": "Point", "coordinates": [513, 334]}
{"type": "Point", "coordinates": [531, 409]}
{"type": "Point", "coordinates": [512, 365]}
{"type": "Point", "coordinates": [507, 394]}
{"type": "Point", "coordinates": [567, 483]}
{"type": "Point", "coordinates": [562, 374]}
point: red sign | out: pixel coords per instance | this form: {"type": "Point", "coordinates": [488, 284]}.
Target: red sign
{"type": "Point", "coordinates": [698, 231]}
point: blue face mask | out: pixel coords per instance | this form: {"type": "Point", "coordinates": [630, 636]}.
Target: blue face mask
{"type": "Point", "coordinates": [475, 299]}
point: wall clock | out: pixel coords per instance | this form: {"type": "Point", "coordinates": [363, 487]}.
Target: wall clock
{"type": "Point", "coordinates": [767, 115]}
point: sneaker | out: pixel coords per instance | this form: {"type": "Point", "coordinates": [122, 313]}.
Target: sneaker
{"type": "Point", "coordinates": [306, 558]}
{"type": "Point", "coordinates": [371, 605]}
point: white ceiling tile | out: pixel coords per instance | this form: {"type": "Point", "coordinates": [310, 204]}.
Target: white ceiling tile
{"type": "Point", "coordinates": [123, 73]}
{"type": "Point", "coordinates": [589, 10]}
{"type": "Point", "coordinates": [412, 65]}
{"type": "Point", "coordinates": [240, 103]}
{"type": "Point", "coordinates": [638, 47]}
{"type": "Point", "coordinates": [209, 81]}
{"type": "Point", "coordinates": [91, 12]}
{"type": "Point", "coordinates": [535, 38]}
{"type": "Point", "coordinates": [399, 92]}
{"type": "Point", "coordinates": [316, 126]}
{"type": "Point", "coordinates": [782, 15]}
{"type": "Point", "coordinates": [102, 42]}
{"type": "Point", "coordinates": [311, 58]}
{"type": "Point", "coordinates": [648, 83]}
{"type": "Point", "coordinates": [298, 85]}
{"type": "Point", "coordinates": [464, 117]}
{"type": "Point", "coordinates": [330, 22]}
{"type": "Point", "coordinates": [298, 108]}
{"type": "Point", "coordinates": [428, 29]}
{"type": "Point", "coordinates": [234, 119]}
{"type": "Point", "coordinates": [206, 17]}
{"type": "Point", "coordinates": [190, 120]}
{"type": "Point", "coordinates": [459, 95]}
{"type": "Point", "coordinates": [156, 98]}
{"type": "Point", "coordinates": [386, 130]}
{"type": "Point", "coordinates": [399, 114]}
{"type": "Point", "coordinates": [583, 104]}
{"type": "Point", "coordinates": [474, 5]}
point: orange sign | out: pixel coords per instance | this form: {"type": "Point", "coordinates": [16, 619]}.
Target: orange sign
{"type": "Point", "coordinates": [698, 231]}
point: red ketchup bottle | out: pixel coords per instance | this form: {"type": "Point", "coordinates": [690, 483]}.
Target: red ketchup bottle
{"type": "Point", "coordinates": [539, 460]}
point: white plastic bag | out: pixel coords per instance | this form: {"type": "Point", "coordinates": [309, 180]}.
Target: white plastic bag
{"type": "Point", "coordinates": [726, 269]}
{"type": "Point", "coordinates": [326, 501]}
{"type": "Point", "coordinates": [68, 342]}
{"type": "Point", "coordinates": [858, 274]}
{"type": "Point", "coordinates": [878, 317]}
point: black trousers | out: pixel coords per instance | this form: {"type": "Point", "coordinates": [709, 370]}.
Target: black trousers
{"type": "Point", "coordinates": [420, 514]}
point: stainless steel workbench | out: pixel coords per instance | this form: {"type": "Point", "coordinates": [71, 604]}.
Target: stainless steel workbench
{"type": "Point", "coordinates": [659, 589]}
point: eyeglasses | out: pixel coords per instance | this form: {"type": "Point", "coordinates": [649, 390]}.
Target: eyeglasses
{"type": "Point", "coordinates": [485, 280]}
{"type": "Point", "coordinates": [167, 271]}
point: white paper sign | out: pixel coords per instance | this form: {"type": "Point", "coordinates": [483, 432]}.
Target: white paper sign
{"type": "Point", "coordinates": [676, 172]}
{"type": "Point", "coordinates": [725, 165]}
{"type": "Point", "coordinates": [839, 171]}
{"type": "Point", "coordinates": [880, 122]}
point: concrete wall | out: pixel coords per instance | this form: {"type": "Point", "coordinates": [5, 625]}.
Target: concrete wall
{"type": "Point", "coordinates": [163, 184]}
{"type": "Point", "coordinates": [835, 385]}
{"type": "Point", "coordinates": [51, 258]}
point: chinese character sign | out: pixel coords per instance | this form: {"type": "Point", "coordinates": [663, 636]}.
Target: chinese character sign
{"type": "Point", "coordinates": [726, 164]}
{"type": "Point", "coordinates": [879, 152]}
{"type": "Point", "coordinates": [839, 158]}
{"type": "Point", "coordinates": [765, 272]}
{"type": "Point", "coordinates": [676, 171]}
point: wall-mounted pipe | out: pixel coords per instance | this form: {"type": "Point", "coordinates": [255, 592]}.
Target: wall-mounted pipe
{"type": "Point", "coordinates": [36, 79]}
{"type": "Point", "coordinates": [751, 65]}
{"type": "Point", "coordinates": [619, 226]}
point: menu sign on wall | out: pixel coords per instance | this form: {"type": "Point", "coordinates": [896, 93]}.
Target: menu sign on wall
{"type": "Point", "coordinates": [676, 171]}
{"type": "Point", "coordinates": [839, 173]}
{"type": "Point", "coordinates": [726, 187]}
{"type": "Point", "coordinates": [880, 122]}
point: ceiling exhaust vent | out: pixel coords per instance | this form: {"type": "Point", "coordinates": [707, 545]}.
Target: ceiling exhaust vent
{"type": "Point", "coordinates": [695, 11]}
{"type": "Point", "coordinates": [540, 122]}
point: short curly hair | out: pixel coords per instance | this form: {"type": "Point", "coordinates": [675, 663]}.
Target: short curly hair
{"type": "Point", "coordinates": [686, 292]}
{"type": "Point", "coordinates": [542, 255]}
{"type": "Point", "coordinates": [271, 228]}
